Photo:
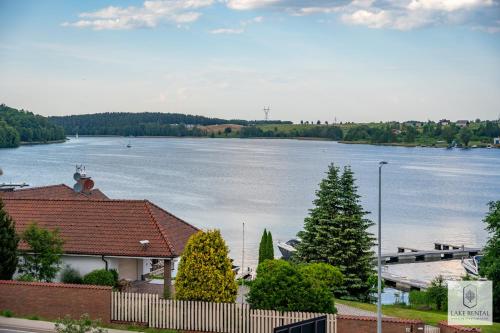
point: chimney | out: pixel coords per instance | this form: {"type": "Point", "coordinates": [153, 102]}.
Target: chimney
{"type": "Point", "coordinates": [84, 183]}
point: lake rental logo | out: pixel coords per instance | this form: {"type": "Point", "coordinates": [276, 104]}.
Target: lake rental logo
{"type": "Point", "coordinates": [470, 302]}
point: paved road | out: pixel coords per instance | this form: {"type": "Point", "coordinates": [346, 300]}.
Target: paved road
{"type": "Point", "coordinates": [17, 330]}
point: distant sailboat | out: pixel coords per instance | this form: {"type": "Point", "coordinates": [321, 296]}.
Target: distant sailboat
{"type": "Point", "coordinates": [76, 136]}
{"type": "Point", "coordinates": [128, 144]}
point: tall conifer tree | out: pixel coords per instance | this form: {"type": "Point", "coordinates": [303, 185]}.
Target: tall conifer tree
{"type": "Point", "coordinates": [263, 247]}
{"type": "Point", "coordinates": [269, 246]}
{"type": "Point", "coordinates": [336, 232]}
{"type": "Point", "coordinates": [8, 245]}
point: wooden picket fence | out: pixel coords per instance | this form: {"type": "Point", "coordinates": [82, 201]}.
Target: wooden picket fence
{"type": "Point", "coordinates": [151, 310]}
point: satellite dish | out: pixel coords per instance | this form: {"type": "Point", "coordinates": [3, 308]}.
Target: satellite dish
{"type": "Point", "coordinates": [77, 176]}
{"type": "Point", "coordinates": [77, 187]}
{"type": "Point", "coordinates": [88, 184]}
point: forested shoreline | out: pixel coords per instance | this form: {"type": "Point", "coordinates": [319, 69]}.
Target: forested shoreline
{"type": "Point", "coordinates": [20, 126]}
{"type": "Point", "coordinates": [145, 124]}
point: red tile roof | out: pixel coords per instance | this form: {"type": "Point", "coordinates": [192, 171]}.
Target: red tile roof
{"type": "Point", "coordinates": [60, 191]}
{"type": "Point", "coordinates": [105, 227]}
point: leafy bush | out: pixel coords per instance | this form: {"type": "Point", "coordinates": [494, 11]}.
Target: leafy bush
{"type": "Point", "coordinates": [82, 325]}
{"type": "Point", "coordinates": [71, 275]}
{"type": "Point", "coordinates": [438, 293]}
{"type": "Point", "coordinates": [100, 277]}
{"type": "Point", "coordinates": [323, 275]}
{"type": "Point", "coordinates": [435, 297]}
{"type": "Point", "coordinates": [6, 313]}
{"type": "Point", "coordinates": [419, 300]}
{"type": "Point", "coordinates": [283, 286]}
{"type": "Point", "coordinates": [25, 278]}
{"type": "Point", "coordinates": [115, 276]}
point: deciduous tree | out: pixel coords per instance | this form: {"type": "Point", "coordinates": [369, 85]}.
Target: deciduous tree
{"type": "Point", "coordinates": [43, 258]}
{"type": "Point", "coordinates": [489, 265]}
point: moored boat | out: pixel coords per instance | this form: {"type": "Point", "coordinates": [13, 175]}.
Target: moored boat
{"type": "Point", "coordinates": [288, 248]}
{"type": "Point", "coordinates": [471, 265]}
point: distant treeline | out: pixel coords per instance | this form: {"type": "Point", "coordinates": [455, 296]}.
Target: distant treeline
{"type": "Point", "coordinates": [145, 124]}
{"type": "Point", "coordinates": [424, 133]}
{"type": "Point", "coordinates": [325, 132]}
{"type": "Point", "coordinates": [18, 126]}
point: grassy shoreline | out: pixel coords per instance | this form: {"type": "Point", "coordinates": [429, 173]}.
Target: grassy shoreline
{"type": "Point", "coordinates": [430, 317]}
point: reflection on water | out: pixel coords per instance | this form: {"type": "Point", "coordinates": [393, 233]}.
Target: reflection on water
{"type": "Point", "coordinates": [428, 194]}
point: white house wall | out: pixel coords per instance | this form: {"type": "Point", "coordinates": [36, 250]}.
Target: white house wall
{"type": "Point", "coordinates": [86, 264]}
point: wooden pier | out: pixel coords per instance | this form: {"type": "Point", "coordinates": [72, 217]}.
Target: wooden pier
{"type": "Point", "coordinates": [402, 282]}
{"type": "Point", "coordinates": [405, 255]}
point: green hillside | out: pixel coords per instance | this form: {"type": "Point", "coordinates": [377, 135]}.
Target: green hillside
{"type": "Point", "coordinates": [19, 126]}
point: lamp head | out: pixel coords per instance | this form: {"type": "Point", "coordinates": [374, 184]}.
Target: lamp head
{"type": "Point", "coordinates": [383, 163]}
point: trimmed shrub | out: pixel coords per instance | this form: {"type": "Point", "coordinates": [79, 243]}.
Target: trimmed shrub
{"type": "Point", "coordinates": [115, 276]}
{"type": "Point", "coordinates": [99, 277]}
{"type": "Point", "coordinates": [6, 313]}
{"type": "Point", "coordinates": [71, 275]}
{"type": "Point", "coordinates": [283, 286]}
{"type": "Point", "coordinates": [205, 272]}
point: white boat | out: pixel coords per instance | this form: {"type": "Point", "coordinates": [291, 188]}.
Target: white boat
{"type": "Point", "coordinates": [471, 265]}
{"type": "Point", "coordinates": [288, 248]}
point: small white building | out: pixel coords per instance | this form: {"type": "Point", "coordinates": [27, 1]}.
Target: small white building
{"type": "Point", "coordinates": [496, 141]}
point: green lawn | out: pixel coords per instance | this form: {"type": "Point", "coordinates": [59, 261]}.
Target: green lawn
{"type": "Point", "coordinates": [429, 317]}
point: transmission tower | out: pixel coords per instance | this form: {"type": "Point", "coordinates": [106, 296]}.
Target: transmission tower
{"type": "Point", "coordinates": [266, 112]}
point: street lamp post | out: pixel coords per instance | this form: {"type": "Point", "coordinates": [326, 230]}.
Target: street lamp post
{"type": "Point", "coordinates": [379, 261]}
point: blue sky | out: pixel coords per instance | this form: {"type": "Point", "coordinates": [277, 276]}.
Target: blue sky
{"type": "Point", "coordinates": [362, 60]}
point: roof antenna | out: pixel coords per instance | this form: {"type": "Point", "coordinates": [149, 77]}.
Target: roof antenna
{"type": "Point", "coordinates": [83, 182]}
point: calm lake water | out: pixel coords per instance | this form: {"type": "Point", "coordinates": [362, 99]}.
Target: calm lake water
{"type": "Point", "coordinates": [428, 194]}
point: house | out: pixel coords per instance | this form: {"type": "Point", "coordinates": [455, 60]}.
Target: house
{"type": "Point", "coordinates": [396, 131]}
{"type": "Point", "coordinates": [444, 122]}
{"type": "Point", "coordinates": [462, 123]}
{"type": "Point", "coordinates": [496, 141]}
{"type": "Point", "coordinates": [127, 235]}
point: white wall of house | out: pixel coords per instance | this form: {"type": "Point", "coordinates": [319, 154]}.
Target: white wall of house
{"type": "Point", "coordinates": [128, 268]}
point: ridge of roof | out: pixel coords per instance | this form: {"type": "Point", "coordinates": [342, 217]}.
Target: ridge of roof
{"type": "Point", "coordinates": [159, 227]}
{"type": "Point", "coordinates": [89, 201]}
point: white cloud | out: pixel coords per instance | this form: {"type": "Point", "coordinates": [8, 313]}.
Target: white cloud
{"type": "Point", "coordinates": [250, 4]}
{"type": "Point", "coordinates": [241, 29]}
{"type": "Point", "coordinates": [448, 5]}
{"type": "Point", "coordinates": [226, 31]}
{"type": "Point", "coordinates": [149, 15]}
{"type": "Point", "coordinates": [371, 19]}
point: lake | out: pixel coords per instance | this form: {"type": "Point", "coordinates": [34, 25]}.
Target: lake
{"type": "Point", "coordinates": [429, 194]}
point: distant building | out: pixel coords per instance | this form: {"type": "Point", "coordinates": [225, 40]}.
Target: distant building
{"type": "Point", "coordinates": [396, 131]}
{"type": "Point", "coordinates": [462, 123]}
{"type": "Point", "coordinates": [496, 141]}
{"type": "Point", "coordinates": [444, 122]}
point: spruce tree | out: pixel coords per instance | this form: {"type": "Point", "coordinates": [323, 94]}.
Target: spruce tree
{"type": "Point", "coordinates": [269, 246]}
{"type": "Point", "coordinates": [8, 245]}
{"type": "Point", "coordinates": [336, 232]}
{"type": "Point", "coordinates": [263, 247]}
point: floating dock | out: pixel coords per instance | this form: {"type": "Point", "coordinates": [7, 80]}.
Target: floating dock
{"type": "Point", "coordinates": [405, 255]}
{"type": "Point", "coordinates": [402, 282]}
